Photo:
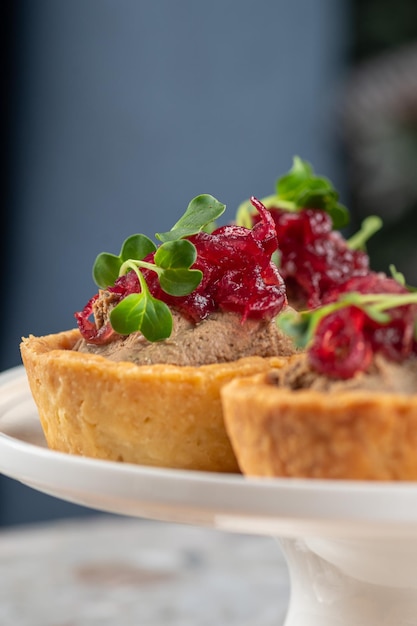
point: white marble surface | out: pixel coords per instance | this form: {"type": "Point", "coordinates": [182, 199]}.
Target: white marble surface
{"type": "Point", "coordinates": [112, 571]}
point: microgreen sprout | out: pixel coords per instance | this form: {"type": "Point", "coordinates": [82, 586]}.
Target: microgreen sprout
{"type": "Point", "coordinates": [301, 326]}
{"type": "Point", "coordinates": [370, 225]}
{"type": "Point", "coordinates": [141, 311]}
{"type": "Point", "coordinates": [400, 278]}
{"type": "Point", "coordinates": [172, 261]}
{"type": "Point", "coordinates": [202, 211]}
{"type": "Point", "coordinates": [300, 188]}
{"type": "Point", "coordinates": [108, 267]}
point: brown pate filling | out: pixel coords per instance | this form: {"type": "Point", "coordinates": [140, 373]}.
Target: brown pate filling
{"type": "Point", "coordinates": [383, 376]}
{"type": "Point", "coordinates": [220, 338]}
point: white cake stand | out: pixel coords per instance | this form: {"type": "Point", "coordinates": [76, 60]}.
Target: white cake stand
{"type": "Point", "coordinates": [351, 547]}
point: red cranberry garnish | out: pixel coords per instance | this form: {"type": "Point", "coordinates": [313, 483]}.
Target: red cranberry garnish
{"type": "Point", "coordinates": [341, 347]}
{"type": "Point", "coordinates": [238, 276]}
{"type": "Point", "coordinates": [346, 339]}
{"type": "Point", "coordinates": [313, 257]}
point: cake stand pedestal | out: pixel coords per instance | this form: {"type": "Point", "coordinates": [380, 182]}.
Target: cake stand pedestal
{"type": "Point", "coordinates": [351, 583]}
{"type": "Point", "coordinates": [351, 547]}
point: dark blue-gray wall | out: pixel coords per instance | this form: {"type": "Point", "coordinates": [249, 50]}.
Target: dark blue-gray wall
{"type": "Point", "coordinates": [124, 110]}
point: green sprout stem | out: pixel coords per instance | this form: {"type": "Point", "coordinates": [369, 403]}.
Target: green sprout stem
{"type": "Point", "coordinates": [301, 326]}
{"type": "Point", "coordinates": [384, 301]}
{"type": "Point", "coordinates": [135, 264]}
{"type": "Point", "coordinates": [370, 225]}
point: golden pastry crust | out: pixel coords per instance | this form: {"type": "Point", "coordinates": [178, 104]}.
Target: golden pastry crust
{"type": "Point", "coordinates": [304, 433]}
{"type": "Point", "coordinates": [158, 415]}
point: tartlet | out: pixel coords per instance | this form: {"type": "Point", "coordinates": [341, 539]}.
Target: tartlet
{"type": "Point", "coordinates": [347, 407]}
{"type": "Point", "coordinates": [157, 415]}
{"type": "Point", "coordinates": [281, 432]}
{"type": "Point", "coordinates": [160, 414]}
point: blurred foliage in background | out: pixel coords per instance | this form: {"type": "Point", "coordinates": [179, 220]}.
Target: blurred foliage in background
{"type": "Point", "coordinates": [381, 24]}
{"type": "Point", "coordinates": [380, 128]}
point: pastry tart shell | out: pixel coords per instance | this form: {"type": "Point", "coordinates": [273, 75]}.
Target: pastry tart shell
{"type": "Point", "coordinates": [156, 415]}
{"type": "Point", "coordinates": [309, 434]}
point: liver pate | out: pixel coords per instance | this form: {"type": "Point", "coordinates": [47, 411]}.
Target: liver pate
{"type": "Point", "coordinates": [220, 338]}
{"type": "Point", "coordinates": [383, 376]}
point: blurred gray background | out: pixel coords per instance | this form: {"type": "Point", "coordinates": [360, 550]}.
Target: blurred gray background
{"type": "Point", "coordinates": [117, 112]}
{"type": "Point", "coordinates": [126, 110]}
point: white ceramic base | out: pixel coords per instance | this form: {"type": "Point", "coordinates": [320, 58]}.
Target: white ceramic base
{"type": "Point", "coordinates": [353, 583]}
{"type": "Point", "coordinates": [351, 547]}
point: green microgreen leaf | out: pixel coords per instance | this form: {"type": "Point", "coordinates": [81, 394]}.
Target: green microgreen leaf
{"type": "Point", "coordinates": [339, 214]}
{"type": "Point", "coordinates": [175, 254]}
{"type": "Point", "coordinates": [201, 212]}
{"type": "Point", "coordinates": [300, 188]}
{"type": "Point", "coordinates": [180, 282]}
{"type": "Point", "coordinates": [299, 326]}
{"type": "Point", "coordinates": [106, 268]}
{"type": "Point", "coordinates": [304, 189]}
{"type": "Point", "coordinates": [370, 225]}
{"type": "Point", "coordinates": [142, 312]}
{"type": "Point", "coordinates": [173, 260]}
{"type": "Point", "coordinates": [137, 247]}
{"type": "Point", "coordinates": [293, 184]}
